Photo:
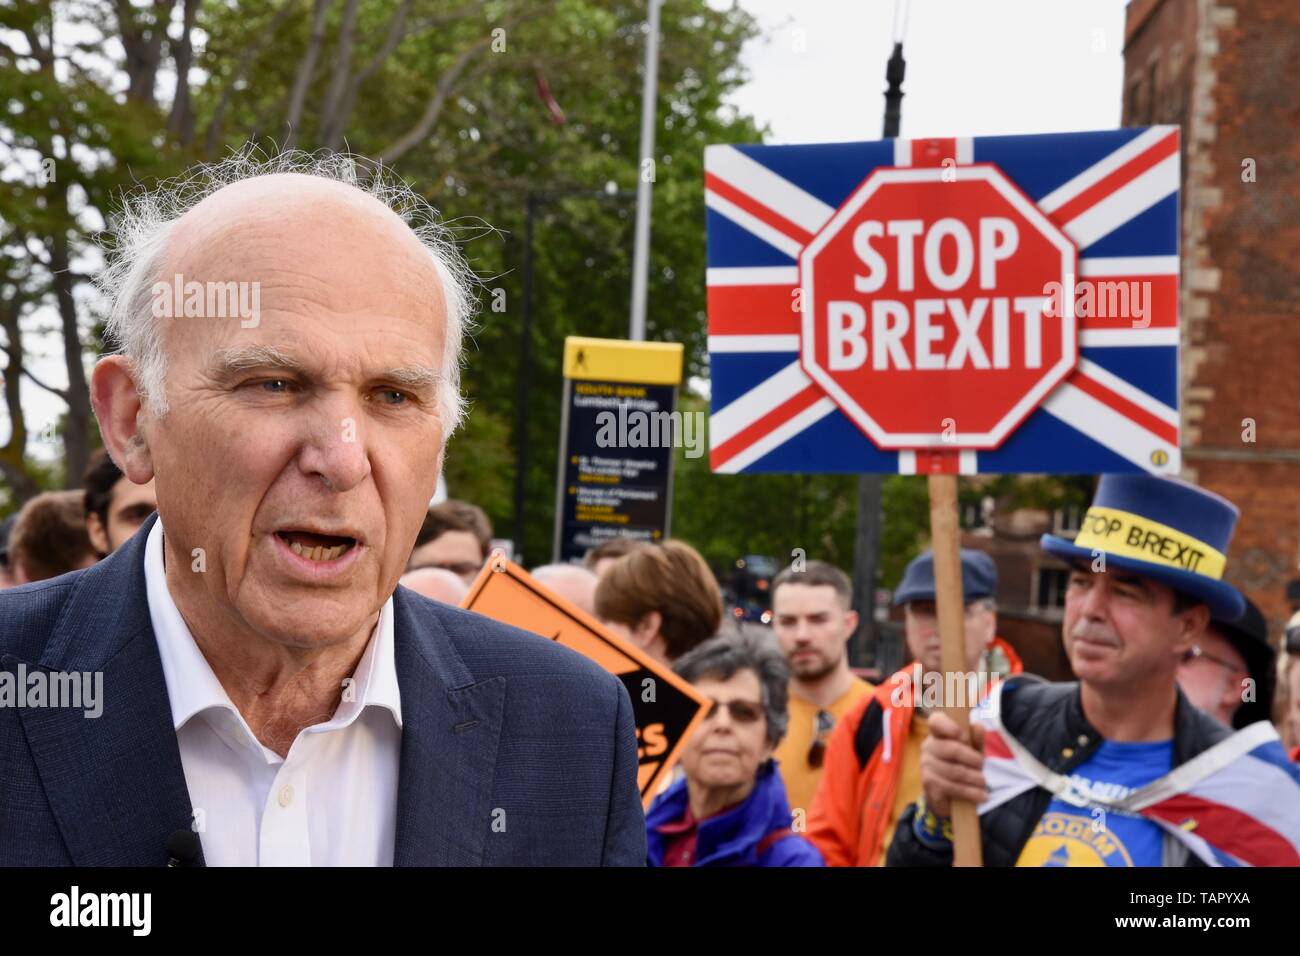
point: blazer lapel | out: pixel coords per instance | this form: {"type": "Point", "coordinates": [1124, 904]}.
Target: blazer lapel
{"type": "Point", "coordinates": [115, 782]}
{"type": "Point", "coordinates": [451, 728]}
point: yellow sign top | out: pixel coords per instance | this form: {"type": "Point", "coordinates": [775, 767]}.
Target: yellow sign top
{"type": "Point", "coordinates": [617, 360]}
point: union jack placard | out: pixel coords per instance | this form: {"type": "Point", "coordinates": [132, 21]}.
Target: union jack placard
{"type": "Point", "coordinates": [816, 386]}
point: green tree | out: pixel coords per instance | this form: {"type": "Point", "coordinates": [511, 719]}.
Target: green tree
{"type": "Point", "coordinates": [69, 141]}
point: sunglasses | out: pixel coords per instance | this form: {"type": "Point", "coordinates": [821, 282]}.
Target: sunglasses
{"type": "Point", "coordinates": [823, 724]}
{"type": "Point", "coordinates": [740, 711]}
{"type": "Point", "coordinates": [1292, 642]}
{"type": "Point", "coordinates": [1195, 651]}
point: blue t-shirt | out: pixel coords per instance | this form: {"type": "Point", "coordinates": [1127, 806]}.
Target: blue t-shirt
{"type": "Point", "coordinates": [1067, 835]}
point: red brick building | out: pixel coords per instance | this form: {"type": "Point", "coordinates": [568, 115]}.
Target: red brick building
{"type": "Point", "coordinates": [1228, 74]}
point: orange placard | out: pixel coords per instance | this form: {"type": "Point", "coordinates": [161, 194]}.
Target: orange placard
{"type": "Point", "coordinates": [665, 707]}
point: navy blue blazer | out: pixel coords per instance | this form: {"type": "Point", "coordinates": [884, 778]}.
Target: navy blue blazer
{"type": "Point", "coordinates": [493, 719]}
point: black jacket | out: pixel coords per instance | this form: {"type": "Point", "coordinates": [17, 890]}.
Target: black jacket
{"type": "Point", "coordinates": [1048, 719]}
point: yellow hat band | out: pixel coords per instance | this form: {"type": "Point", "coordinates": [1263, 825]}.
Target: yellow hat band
{"type": "Point", "coordinates": [1127, 535]}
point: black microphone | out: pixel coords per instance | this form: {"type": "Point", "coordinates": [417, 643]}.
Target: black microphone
{"type": "Point", "coordinates": [183, 848]}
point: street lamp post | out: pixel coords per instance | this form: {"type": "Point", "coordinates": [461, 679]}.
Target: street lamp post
{"type": "Point", "coordinates": [533, 203]}
{"type": "Point", "coordinates": [644, 184]}
{"type": "Point", "coordinates": [866, 543]}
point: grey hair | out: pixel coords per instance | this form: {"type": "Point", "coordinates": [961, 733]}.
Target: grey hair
{"type": "Point", "coordinates": [728, 654]}
{"type": "Point", "coordinates": [144, 226]}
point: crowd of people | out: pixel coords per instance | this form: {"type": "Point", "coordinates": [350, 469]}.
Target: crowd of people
{"type": "Point", "coordinates": [800, 761]}
{"type": "Point", "coordinates": [60, 531]}
{"type": "Point", "coordinates": [803, 762]}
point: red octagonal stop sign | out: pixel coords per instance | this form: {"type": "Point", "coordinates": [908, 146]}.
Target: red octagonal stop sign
{"type": "Point", "coordinates": [938, 307]}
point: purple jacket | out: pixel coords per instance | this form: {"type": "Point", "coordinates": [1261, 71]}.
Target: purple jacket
{"type": "Point", "coordinates": [733, 838]}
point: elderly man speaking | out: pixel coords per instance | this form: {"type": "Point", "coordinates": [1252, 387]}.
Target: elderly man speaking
{"type": "Point", "coordinates": [267, 686]}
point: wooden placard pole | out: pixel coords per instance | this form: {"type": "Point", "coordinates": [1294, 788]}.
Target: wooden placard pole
{"type": "Point", "coordinates": [945, 534]}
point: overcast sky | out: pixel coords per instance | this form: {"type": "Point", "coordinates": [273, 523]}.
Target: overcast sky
{"type": "Point", "coordinates": [974, 67]}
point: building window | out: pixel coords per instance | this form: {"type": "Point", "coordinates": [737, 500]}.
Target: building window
{"type": "Point", "coordinates": [1176, 62]}
{"type": "Point", "coordinates": [976, 515]}
{"type": "Point", "coordinates": [1153, 106]}
{"type": "Point", "coordinates": [1066, 522]}
{"type": "Point", "coordinates": [1135, 103]}
{"type": "Point", "coordinates": [1051, 587]}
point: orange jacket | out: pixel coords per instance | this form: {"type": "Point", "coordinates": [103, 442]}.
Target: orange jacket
{"type": "Point", "coordinates": [860, 774]}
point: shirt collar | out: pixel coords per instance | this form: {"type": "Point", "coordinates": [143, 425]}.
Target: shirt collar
{"type": "Point", "coordinates": [193, 688]}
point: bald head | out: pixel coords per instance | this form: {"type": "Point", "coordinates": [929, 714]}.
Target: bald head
{"type": "Point", "coordinates": [228, 229]}
{"type": "Point", "coordinates": [437, 584]}
{"type": "Point", "coordinates": [572, 582]}
{"type": "Point", "coordinates": [301, 252]}
{"type": "Point", "coordinates": [294, 222]}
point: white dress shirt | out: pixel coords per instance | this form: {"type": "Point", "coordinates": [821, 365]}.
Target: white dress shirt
{"type": "Point", "coordinates": [332, 801]}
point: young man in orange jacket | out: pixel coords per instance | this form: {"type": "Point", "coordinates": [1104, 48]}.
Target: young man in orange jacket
{"type": "Point", "coordinates": [813, 618]}
{"type": "Point", "coordinates": [873, 764]}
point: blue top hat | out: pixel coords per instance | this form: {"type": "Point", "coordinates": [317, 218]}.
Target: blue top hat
{"type": "Point", "coordinates": [1160, 528]}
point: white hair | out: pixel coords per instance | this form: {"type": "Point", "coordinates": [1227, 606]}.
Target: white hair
{"type": "Point", "coordinates": [148, 217]}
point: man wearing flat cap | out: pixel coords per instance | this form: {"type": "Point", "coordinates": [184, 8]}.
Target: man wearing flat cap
{"type": "Point", "coordinates": [1118, 769]}
{"type": "Point", "coordinates": [290, 344]}
{"type": "Point", "coordinates": [873, 760]}
{"type": "Point", "coordinates": [1231, 670]}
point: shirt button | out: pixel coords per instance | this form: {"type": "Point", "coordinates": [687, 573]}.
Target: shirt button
{"type": "Point", "coordinates": [286, 795]}
{"type": "Point", "coordinates": [1083, 740]}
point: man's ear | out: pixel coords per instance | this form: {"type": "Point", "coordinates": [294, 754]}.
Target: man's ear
{"type": "Point", "coordinates": [988, 618]}
{"type": "Point", "coordinates": [118, 408]}
{"type": "Point", "coordinates": [98, 534]}
{"type": "Point", "coordinates": [850, 623]}
{"type": "Point", "coordinates": [1193, 622]}
{"type": "Point", "coordinates": [648, 627]}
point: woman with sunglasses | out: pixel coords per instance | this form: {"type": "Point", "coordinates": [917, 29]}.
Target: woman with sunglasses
{"type": "Point", "coordinates": [729, 808]}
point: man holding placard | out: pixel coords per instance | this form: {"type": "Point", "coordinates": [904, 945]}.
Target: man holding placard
{"type": "Point", "coordinates": [873, 761]}
{"type": "Point", "coordinates": [949, 306]}
{"type": "Point", "coordinates": [1118, 769]}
